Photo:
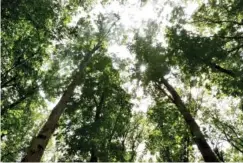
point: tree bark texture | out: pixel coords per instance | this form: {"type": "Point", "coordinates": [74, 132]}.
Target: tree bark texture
{"type": "Point", "coordinates": [39, 143]}
{"type": "Point", "coordinates": [198, 137]}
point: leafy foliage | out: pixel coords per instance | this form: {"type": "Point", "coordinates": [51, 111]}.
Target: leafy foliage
{"type": "Point", "coordinates": [194, 77]}
{"type": "Point", "coordinates": [170, 138]}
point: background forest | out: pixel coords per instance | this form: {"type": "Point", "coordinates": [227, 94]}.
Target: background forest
{"type": "Point", "coordinates": [121, 81]}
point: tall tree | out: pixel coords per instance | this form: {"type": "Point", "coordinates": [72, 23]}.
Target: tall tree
{"type": "Point", "coordinates": [98, 114]}
{"type": "Point", "coordinates": [25, 35]}
{"type": "Point", "coordinates": [213, 48]}
{"type": "Point", "coordinates": [58, 52]}
{"type": "Point", "coordinates": [40, 142]}
{"type": "Point", "coordinates": [156, 70]}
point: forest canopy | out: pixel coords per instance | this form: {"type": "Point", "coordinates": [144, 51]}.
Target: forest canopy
{"type": "Point", "coordinates": [121, 81]}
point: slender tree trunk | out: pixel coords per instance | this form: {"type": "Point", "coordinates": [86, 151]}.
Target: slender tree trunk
{"type": "Point", "coordinates": [123, 159]}
{"type": "Point", "coordinates": [40, 142]}
{"type": "Point", "coordinates": [219, 154]}
{"type": "Point", "coordinates": [133, 152]}
{"type": "Point", "coordinates": [93, 158]}
{"type": "Point", "coordinates": [198, 137]}
{"type": "Point", "coordinates": [99, 107]}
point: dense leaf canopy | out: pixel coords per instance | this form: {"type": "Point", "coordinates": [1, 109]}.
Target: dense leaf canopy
{"type": "Point", "coordinates": [117, 81]}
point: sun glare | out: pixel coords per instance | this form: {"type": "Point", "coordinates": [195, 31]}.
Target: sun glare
{"type": "Point", "coordinates": [142, 68]}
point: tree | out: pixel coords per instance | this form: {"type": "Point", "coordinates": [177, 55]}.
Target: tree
{"type": "Point", "coordinates": [97, 115]}
{"type": "Point", "coordinates": [89, 48]}
{"type": "Point", "coordinates": [65, 97]}
{"type": "Point", "coordinates": [218, 36]}
{"type": "Point", "coordinates": [39, 143]}
{"type": "Point", "coordinates": [217, 54]}
{"type": "Point", "coordinates": [209, 57]}
{"type": "Point", "coordinates": [25, 36]}
{"type": "Point", "coordinates": [156, 69]}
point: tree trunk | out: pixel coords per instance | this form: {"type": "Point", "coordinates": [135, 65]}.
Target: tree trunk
{"type": "Point", "coordinates": [99, 107]}
{"type": "Point", "coordinates": [133, 152]}
{"type": "Point", "coordinates": [40, 142]}
{"type": "Point", "coordinates": [93, 158]}
{"type": "Point", "coordinates": [198, 137]}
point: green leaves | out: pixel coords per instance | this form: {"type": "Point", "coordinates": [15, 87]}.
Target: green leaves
{"type": "Point", "coordinates": [170, 136]}
{"type": "Point", "coordinates": [43, 44]}
{"type": "Point", "coordinates": [100, 106]}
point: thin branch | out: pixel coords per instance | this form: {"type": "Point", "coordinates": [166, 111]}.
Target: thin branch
{"type": "Point", "coordinates": [207, 20]}
{"type": "Point", "coordinates": [228, 139]}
